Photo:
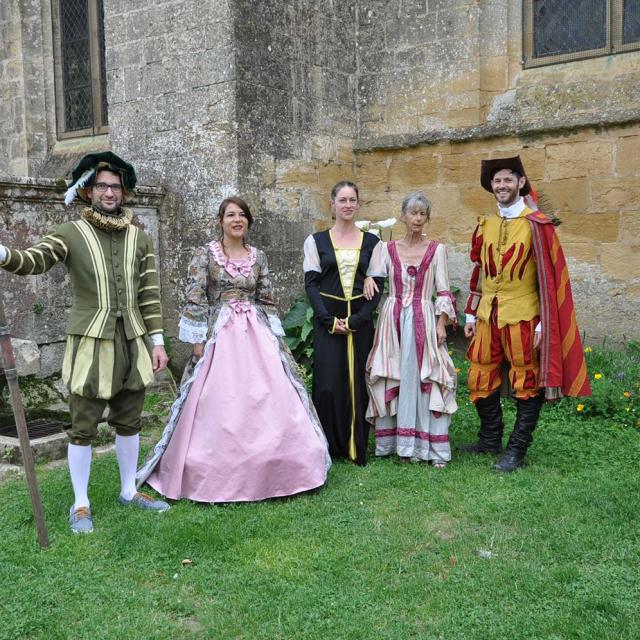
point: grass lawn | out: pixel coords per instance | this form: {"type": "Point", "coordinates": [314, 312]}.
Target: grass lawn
{"type": "Point", "coordinates": [386, 551]}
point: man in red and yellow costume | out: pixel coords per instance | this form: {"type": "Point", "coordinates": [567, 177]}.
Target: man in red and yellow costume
{"type": "Point", "coordinates": [520, 309]}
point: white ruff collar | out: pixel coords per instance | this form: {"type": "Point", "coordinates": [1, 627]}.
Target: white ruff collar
{"type": "Point", "coordinates": [514, 210]}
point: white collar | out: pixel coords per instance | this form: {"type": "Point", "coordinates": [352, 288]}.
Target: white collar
{"type": "Point", "coordinates": [514, 210]}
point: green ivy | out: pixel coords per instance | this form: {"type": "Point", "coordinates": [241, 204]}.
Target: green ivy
{"type": "Point", "coordinates": [298, 327]}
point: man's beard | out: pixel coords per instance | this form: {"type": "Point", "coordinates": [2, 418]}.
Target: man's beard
{"type": "Point", "coordinates": [116, 213]}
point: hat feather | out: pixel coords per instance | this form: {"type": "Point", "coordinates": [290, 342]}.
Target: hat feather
{"type": "Point", "coordinates": [72, 191]}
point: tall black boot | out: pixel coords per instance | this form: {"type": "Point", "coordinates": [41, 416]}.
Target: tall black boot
{"type": "Point", "coordinates": [491, 426]}
{"type": "Point", "coordinates": [522, 434]}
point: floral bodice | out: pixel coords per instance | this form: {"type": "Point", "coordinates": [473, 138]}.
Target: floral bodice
{"type": "Point", "coordinates": [215, 281]}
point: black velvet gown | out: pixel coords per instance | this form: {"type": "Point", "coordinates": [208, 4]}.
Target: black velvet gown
{"type": "Point", "coordinates": [339, 388]}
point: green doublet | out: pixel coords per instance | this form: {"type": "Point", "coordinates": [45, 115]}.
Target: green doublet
{"type": "Point", "coordinates": [113, 274]}
{"type": "Point", "coordinates": [116, 301]}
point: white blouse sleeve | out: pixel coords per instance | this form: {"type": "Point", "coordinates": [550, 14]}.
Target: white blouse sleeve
{"type": "Point", "coordinates": [379, 262]}
{"type": "Point", "coordinates": [311, 256]}
{"type": "Point", "coordinates": [445, 300]}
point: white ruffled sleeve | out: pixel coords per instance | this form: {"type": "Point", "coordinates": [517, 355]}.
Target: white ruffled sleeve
{"type": "Point", "coordinates": [311, 257]}
{"type": "Point", "coordinates": [445, 300]}
{"type": "Point", "coordinates": [379, 262]}
{"type": "Point", "coordinates": [192, 331]}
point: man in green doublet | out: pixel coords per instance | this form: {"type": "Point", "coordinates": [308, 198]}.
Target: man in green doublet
{"type": "Point", "coordinates": [114, 335]}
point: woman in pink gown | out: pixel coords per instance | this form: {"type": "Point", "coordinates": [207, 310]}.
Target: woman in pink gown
{"type": "Point", "coordinates": [243, 427]}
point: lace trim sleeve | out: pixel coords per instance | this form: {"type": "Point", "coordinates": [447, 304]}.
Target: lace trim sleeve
{"type": "Point", "coordinates": [192, 331]}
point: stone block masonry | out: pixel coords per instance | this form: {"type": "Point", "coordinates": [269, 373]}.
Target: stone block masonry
{"type": "Point", "coordinates": [578, 180]}
{"type": "Point", "coordinates": [277, 100]}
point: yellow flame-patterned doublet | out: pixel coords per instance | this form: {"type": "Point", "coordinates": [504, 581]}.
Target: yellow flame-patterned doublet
{"type": "Point", "coordinates": [508, 270]}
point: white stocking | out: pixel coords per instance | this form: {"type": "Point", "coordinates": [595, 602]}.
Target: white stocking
{"type": "Point", "coordinates": [127, 448]}
{"type": "Point", "coordinates": [79, 458]}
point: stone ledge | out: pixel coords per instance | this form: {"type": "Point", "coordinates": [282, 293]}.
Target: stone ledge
{"type": "Point", "coordinates": [54, 447]}
{"type": "Point", "coordinates": [51, 447]}
{"type": "Point", "coordinates": [21, 188]}
{"type": "Point", "coordinates": [493, 130]}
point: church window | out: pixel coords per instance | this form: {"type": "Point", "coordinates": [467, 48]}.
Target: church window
{"type": "Point", "coordinates": [80, 77]}
{"type": "Point", "coordinates": [561, 30]}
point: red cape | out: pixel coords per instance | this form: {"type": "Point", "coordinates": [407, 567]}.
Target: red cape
{"type": "Point", "coordinates": [562, 362]}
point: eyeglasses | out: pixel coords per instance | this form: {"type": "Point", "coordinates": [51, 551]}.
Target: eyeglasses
{"type": "Point", "coordinates": [102, 187]}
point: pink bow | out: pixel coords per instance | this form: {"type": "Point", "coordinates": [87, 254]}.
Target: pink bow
{"type": "Point", "coordinates": [240, 306]}
{"type": "Point", "coordinates": [234, 269]}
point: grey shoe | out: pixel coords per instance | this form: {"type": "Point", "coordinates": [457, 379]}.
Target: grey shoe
{"type": "Point", "coordinates": [80, 520]}
{"type": "Point", "coordinates": [144, 501]}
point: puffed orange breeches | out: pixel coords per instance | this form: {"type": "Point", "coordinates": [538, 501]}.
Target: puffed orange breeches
{"type": "Point", "coordinates": [491, 346]}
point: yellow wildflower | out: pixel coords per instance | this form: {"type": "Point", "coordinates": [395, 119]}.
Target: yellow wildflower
{"type": "Point", "coordinates": [627, 394]}
{"type": "Point", "coordinates": [457, 369]}
{"type": "Point", "coordinates": [588, 350]}
{"type": "Point", "coordinates": [598, 376]}
{"type": "Point", "coordinates": [580, 407]}
{"type": "Point", "coordinates": [450, 352]}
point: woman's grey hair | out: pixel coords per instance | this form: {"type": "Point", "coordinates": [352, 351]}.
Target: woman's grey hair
{"type": "Point", "coordinates": [417, 199]}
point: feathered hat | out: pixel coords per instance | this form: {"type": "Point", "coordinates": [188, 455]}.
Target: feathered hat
{"type": "Point", "coordinates": [85, 171]}
{"type": "Point", "coordinates": [491, 167]}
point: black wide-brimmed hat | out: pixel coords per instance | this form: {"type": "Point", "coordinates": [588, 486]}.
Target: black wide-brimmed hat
{"type": "Point", "coordinates": [491, 167]}
{"type": "Point", "coordinates": [85, 170]}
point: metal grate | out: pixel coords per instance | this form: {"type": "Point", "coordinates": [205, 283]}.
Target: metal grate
{"type": "Point", "coordinates": [558, 28]}
{"type": "Point", "coordinates": [39, 428]}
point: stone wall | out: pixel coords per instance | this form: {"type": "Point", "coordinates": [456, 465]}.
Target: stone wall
{"type": "Point", "coordinates": [12, 96]}
{"type": "Point", "coordinates": [297, 119]}
{"type": "Point", "coordinates": [590, 179]}
{"type": "Point", "coordinates": [279, 99]}
{"type": "Point", "coordinates": [451, 69]}
{"type": "Point", "coordinates": [171, 90]}
{"type": "Point", "coordinates": [240, 100]}
{"type": "Point", "coordinates": [27, 111]}
{"type": "Point", "coordinates": [37, 307]}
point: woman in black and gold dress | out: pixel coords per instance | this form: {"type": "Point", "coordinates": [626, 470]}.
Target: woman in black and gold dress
{"type": "Point", "coordinates": [335, 266]}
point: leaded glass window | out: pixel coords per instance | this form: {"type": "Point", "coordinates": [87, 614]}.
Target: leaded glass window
{"type": "Point", "coordinates": [81, 101]}
{"type": "Point", "coordinates": [631, 22]}
{"type": "Point", "coordinates": [562, 30]}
